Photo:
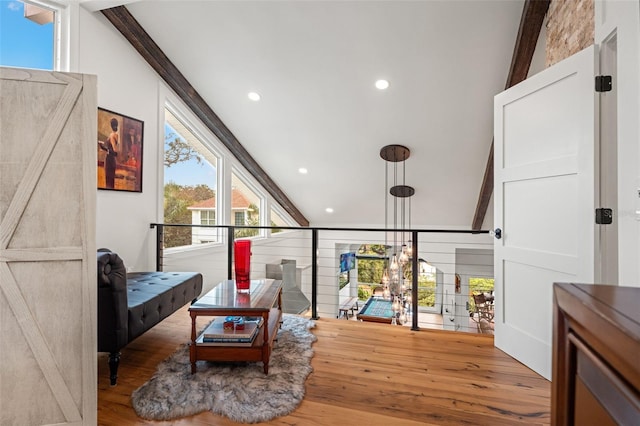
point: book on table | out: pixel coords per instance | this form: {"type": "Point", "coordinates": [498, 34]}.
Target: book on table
{"type": "Point", "coordinates": [230, 330]}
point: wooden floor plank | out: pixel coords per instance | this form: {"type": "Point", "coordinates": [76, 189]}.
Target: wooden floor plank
{"type": "Point", "coordinates": [364, 373]}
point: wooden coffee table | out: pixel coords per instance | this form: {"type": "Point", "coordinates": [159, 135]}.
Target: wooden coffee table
{"type": "Point", "coordinates": [263, 299]}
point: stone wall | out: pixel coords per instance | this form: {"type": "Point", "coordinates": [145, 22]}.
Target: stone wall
{"type": "Point", "coordinates": [570, 28]}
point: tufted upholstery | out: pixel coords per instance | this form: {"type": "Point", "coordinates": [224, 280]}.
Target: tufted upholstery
{"type": "Point", "coordinates": [153, 296]}
{"type": "Point", "coordinates": [130, 304]}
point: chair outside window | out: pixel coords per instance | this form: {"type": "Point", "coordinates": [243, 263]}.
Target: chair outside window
{"type": "Point", "coordinates": [484, 311]}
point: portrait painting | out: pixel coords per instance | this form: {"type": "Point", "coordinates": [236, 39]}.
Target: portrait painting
{"type": "Point", "coordinates": [120, 140]}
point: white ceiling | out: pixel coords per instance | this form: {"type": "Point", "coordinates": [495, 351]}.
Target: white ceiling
{"type": "Point", "coordinates": [315, 63]}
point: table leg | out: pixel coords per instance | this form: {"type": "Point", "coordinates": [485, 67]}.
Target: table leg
{"type": "Point", "coordinates": [192, 346]}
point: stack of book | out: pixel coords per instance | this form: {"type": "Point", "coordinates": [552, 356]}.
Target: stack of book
{"type": "Point", "coordinates": [231, 331]}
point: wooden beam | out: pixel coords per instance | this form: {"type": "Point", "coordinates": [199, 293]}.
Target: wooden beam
{"type": "Point", "coordinates": [123, 21]}
{"type": "Point", "coordinates": [533, 14]}
{"type": "Point", "coordinates": [485, 193]}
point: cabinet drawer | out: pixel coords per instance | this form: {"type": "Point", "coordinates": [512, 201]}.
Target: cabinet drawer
{"type": "Point", "coordinates": [602, 397]}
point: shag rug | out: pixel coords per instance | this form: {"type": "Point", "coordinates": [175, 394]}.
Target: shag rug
{"type": "Point", "coordinates": [240, 391]}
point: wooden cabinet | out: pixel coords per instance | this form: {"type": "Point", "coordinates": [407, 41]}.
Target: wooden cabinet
{"type": "Point", "coordinates": [596, 355]}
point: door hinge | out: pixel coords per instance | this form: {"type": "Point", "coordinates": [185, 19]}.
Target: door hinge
{"type": "Point", "coordinates": [603, 83]}
{"type": "Point", "coordinates": [604, 216]}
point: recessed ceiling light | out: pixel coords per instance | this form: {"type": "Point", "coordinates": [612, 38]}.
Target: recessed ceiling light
{"type": "Point", "coordinates": [254, 96]}
{"type": "Point", "coordinates": [382, 84]}
{"type": "Point", "coordinates": [329, 210]}
{"type": "Point", "coordinates": [302, 171]}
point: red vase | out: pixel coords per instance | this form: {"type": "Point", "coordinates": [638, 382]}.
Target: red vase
{"type": "Point", "coordinates": [242, 259]}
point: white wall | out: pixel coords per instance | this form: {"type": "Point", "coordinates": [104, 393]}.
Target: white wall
{"type": "Point", "coordinates": [127, 85]}
{"type": "Point", "coordinates": [623, 18]}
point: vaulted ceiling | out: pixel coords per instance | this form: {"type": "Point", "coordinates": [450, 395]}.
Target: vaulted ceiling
{"type": "Point", "coordinates": [314, 64]}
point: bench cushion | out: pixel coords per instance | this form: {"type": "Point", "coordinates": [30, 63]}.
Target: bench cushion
{"type": "Point", "coordinates": [153, 296]}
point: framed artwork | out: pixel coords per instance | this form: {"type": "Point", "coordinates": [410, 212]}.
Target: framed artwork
{"type": "Point", "coordinates": [120, 140]}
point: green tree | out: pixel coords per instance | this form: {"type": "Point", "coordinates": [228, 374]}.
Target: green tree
{"type": "Point", "coordinates": [176, 151]}
{"type": "Point", "coordinates": [370, 270]}
{"type": "Point", "coordinates": [479, 285]}
{"type": "Point", "coordinates": [176, 200]}
{"type": "Point", "coordinates": [253, 219]}
{"type": "Point", "coordinates": [372, 249]}
{"type": "Point", "coordinates": [274, 230]}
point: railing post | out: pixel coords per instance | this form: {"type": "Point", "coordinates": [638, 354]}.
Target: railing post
{"type": "Point", "coordinates": [314, 274]}
{"type": "Point", "coordinates": [414, 281]}
{"type": "Point", "coordinates": [230, 237]}
{"type": "Point", "coordinates": [159, 246]}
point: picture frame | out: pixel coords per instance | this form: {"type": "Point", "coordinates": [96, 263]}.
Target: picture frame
{"type": "Point", "coordinates": [120, 147]}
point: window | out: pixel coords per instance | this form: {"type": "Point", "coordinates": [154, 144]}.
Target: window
{"type": "Point", "coordinates": [27, 35]}
{"type": "Point", "coordinates": [207, 217]}
{"type": "Point", "coordinates": [371, 264]}
{"type": "Point", "coordinates": [343, 279]}
{"type": "Point", "coordinates": [427, 285]}
{"type": "Point", "coordinates": [239, 218]}
{"type": "Point", "coordinates": [479, 285]}
{"type": "Point", "coordinates": [190, 179]}
{"type": "Point", "coordinates": [277, 220]}
{"type": "Point", "coordinates": [245, 207]}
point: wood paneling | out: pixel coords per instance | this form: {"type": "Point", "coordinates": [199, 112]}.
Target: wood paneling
{"type": "Point", "coordinates": [47, 246]}
{"type": "Point", "coordinates": [365, 373]}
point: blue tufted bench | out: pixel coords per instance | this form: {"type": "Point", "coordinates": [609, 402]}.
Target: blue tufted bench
{"type": "Point", "coordinates": [129, 304]}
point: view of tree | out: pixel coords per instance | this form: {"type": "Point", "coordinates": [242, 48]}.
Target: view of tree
{"type": "Point", "coordinates": [371, 264]}
{"type": "Point", "coordinates": [253, 219]}
{"type": "Point", "coordinates": [274, 230]}
{"type": "Point", "coordinates": [372, 249]}
{"type": "Point", "coordinates": [479, 285]}
{"type": "Point", "coordinates": [176, 200]}
{"type": "Point", "coordinates": [176, 150]}
{"type": "Point", "coordinates": [370, 270]}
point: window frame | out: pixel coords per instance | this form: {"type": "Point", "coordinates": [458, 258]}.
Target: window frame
{"type": "Point", "coordinates": [227, 166]}
{"type": "Point", "coordinates": [208, 142]}
{"type": "Point", "coordinates": [250, 184]}
{"type": "Point", "coordinates": [208, 213]}
{"type": "Point", "coordinates": [277, 209]}
{"type": "Point", "coordinates": [61, 32]}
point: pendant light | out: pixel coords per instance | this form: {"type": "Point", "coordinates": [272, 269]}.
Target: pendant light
{"type": "Point", "coordinates": [393, 275]}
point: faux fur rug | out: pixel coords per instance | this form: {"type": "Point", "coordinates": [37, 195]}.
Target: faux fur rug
{"type": "Point", "coordinates": [240, 391]}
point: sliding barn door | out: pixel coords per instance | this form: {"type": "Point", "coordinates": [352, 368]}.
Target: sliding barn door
{"type": "Point", "coordinates": [47, 248]}
{"type": "Point", "coordinates": [545, 157]}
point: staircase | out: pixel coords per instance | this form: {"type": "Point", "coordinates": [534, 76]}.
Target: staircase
{"type": "Point", "coordinates": [293, 300]}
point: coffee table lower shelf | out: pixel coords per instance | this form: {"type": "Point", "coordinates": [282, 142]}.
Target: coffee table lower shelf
{"type": "Point", "coordinates": [260, 349]}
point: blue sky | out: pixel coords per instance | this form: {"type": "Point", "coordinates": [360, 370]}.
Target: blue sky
{"type": "Point", "coordinates": [189, 172]}
{"type": "Point", "coordinates": [24, 43]}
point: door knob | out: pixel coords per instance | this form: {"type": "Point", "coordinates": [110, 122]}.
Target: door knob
{"type": "Point", "coordinates": [497, 233]}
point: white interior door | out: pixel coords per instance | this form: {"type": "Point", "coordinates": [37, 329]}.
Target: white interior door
{"type": "Point", "coordinates": [545, 156]}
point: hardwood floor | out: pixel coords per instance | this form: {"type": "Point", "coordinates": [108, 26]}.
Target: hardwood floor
{"type": "Point", "coordinates": [365, 374]}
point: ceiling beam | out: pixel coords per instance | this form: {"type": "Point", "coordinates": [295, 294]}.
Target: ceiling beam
{"type": "Point", "coordinates": [531, 21]}
{"type": "Point", "coordinates": [123, 21]}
